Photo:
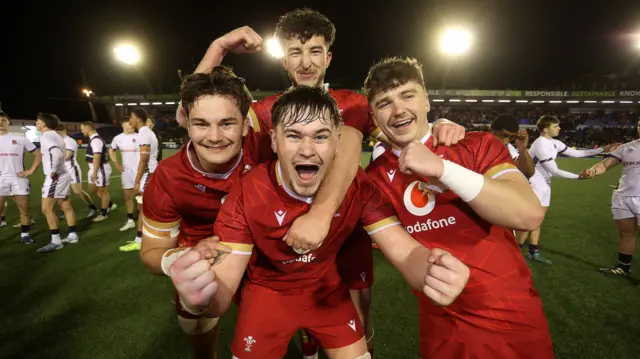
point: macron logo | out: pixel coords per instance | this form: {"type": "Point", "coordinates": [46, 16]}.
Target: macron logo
{"type": "Point", "coordinates": [280, 216]}
{"type": "Point", "coordinates": [202, 188]}
{"type": "Point", "coordinates": [352, 324]}
{"type": "Point", "coordinates": [391, 174]}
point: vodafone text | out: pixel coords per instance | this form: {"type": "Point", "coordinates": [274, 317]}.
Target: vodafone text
{"type": "Point", "coordinates": [431, 224]}
{"type": "Point", "coordinates": [305, 258]}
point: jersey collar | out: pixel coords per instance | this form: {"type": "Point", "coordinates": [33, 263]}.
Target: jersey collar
{"type": "Point", "coordinates": [290, 192]}
{"type": "Point", "coordinates": [423, 140]}
{"type": "Point", "coordinates": [221, 176]}
{"type": "Point", "coordinates": [94, 135]}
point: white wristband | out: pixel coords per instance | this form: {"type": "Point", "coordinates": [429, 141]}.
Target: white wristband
{"type": "Point", "coordinates": [170, 256]}
{"type": "Point", "coordinates": [464, 182]}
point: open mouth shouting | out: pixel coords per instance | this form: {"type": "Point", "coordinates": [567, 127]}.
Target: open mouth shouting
{"type": "Point", "coordinates": [307, 172]}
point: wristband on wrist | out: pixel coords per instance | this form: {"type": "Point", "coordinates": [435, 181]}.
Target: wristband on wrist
{"type": "Point", "coordinates": [464, 182]}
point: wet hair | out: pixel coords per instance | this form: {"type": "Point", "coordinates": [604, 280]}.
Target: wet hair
{"type": "Point", "coordinates": [305, 104]}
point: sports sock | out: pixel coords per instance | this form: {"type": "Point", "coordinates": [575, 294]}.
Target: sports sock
{"type": "Point", "coordinates": [55, 236]}
{"type": "Point", "coordinates": [24, 229]}
{"type": "Point", "coordinates": [533, 248]}
{"type": "Point", "coordinates": [624, 261]}
{"type": "Point", "coordinates": [110, 204]}
{"type": "Point", "coordinates": [2, 219]}
{"type": "Point", "coordinates": [139, 237]}
{"type": "Point", "coordinates": [130, 216]}
{"type": "Point", "coordinates": [93, 207]}
{"type": "Point", "coordinates": [104, 211]}
{"type": "Point", "coordinates": [72, 229]}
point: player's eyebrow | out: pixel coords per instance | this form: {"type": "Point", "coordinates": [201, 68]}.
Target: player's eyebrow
{"type": "Point", "coordinates": [325, 130]}
{"type": "Point", "coordinates": [408, 91]}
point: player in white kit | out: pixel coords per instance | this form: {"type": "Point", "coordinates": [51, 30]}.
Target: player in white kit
{"type": "Point", "coordinates": [73, 167]}
{"type": "Point", "coordinates": [625, 202]}
{"type": "Point", "coordinates": [56, 183]}
{"type": "Point", "coordinates": [99, 169]}
{"type": "Point", "coordinates": [148, 143]}
{"type": "Point", "coordinates": [13, 177]}
{"type": "Point", "coordinates": [127, 144]}
{"type": "Point", "coordinates": [506, 128]}
{"type": "Point", "coordinates": [544, 151]}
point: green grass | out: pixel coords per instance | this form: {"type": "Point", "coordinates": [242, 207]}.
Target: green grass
{"type": "Point", "coordinates": [91, 301]}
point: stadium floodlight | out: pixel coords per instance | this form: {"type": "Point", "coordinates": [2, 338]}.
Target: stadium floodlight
{"type": "Point", "coordinates": [455, 41]}
{"type": "Point", "coordinates": [127, 53]}
{"type": "Point", "coordinates": [470, 100]}
{"type": "Point", "coordinates": [274, 49]}
{"type": "Point", "coordinates": [87, 92]}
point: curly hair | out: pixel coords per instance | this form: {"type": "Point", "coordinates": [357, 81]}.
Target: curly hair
{"type": "Point", "coordinates": [304, 24]}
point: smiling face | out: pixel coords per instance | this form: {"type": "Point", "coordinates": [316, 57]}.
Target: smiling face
{"type": "Point", "coordinates": [216, 128]}
{"type": "Point", "coordinates": [306, 63]}
{"type": "Point", "coordinates": [401, 113]}
{"type": "Point", "coordinates": [306, 149]}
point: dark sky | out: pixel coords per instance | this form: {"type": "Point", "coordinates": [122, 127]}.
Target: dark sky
{"type": "Point", "coordinates": [519, 44]}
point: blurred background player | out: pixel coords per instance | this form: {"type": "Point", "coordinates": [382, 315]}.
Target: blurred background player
{"type": "Point", "coordinates": [99, 169]}
{"type": "Point", "coordinates": [56, 184]}
{"type": "Point", "coordinates": [625, 202]}
{"type": "Point", "coordinates": [148, 145]}
{"type": "Point", "coordinates": [14, 180]}
{"type": "Point", "coordinates": [74, 170]}
{"type": "Point", "coordinates": [464, 199]}
{"type": "Point", "coordinates": [127, 144]}
{"type": "Point", "coordinates": [507, 129]}
{"type": "Point", "coordinates": [544, 151]}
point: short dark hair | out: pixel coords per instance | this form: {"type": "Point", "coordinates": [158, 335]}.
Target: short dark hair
{"type": "Point", "coordinates": [505, 122]}
{"type": "Point", "coordinates": [50, 120]}
{"type": "Point", "coordinates": [61, 127]}
{"type": "Point", "coordinates": [546, 121]}
{"type": "Point", "coordinates": [304, 24]}
{"type": "Point", "coordinates": [4, 114]}
{"type": "Point", "coordinates": [153, 120]}
{"type": "Point", "coordinates": [89, 124]}
{"type": "Point", "coordinates": [390, 73]}
{"type": "Point", "coordinates": [222, 82]}
{"type": "Point", "coordinates": [304, 104]}
{"type": "Point", "coordinates": [140, 113]}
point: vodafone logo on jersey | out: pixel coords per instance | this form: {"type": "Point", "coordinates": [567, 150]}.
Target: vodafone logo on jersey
{"type": "Point", "coordinates": [418, 200]}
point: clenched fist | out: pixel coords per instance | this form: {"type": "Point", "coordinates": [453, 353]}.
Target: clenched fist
{"type": "Point", "coordinates": [243, 40]}
{"type": "Point", "coordinates": [194, 279]}
{"type": "Point", "coordinates": [446, 277]}
{"type": "Point", "coordinates": [447, 133]}
{"type": "Point", "coordinates": [416, 158]}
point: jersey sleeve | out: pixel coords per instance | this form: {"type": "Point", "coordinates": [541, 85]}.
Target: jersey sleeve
{"type": "Point", "coordinates": [260, 116]}
{"type": "Point", "coordinates": [231, 225]}
{"type": "Point", "coordinates": [28, 145]}
{"type": "Point", "coordinates": [144, 139]}
{"type": "Point", "coordinates": [96, 145]}
{"type": "Point", "coordinates": [159, 212]}
{"type": "Point", "coordinates": [377, 213]}
{"type": "Point", "coordinates": [492, 158]}
{"type": "Point", "coordinates": [72, 145]}
{"type": "Point", "coordinates": [560, 146]}
{"type": "Point", "coordinates": [114, 142]}
{"type": "Point", "coordinates": [618, 154]}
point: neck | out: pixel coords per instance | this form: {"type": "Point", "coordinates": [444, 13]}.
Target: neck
{"type": "Point", "coordinates": [3, 132]}
{"type": "Point", "coordinates": [546, 135]}
{"type": "Point", "coordinates": [212, 168]}
{"type": "Point", "coordinates": [92, 133]}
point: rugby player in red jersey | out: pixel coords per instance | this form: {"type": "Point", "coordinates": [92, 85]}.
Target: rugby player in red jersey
{"type": "Point", "coordinates": [184, 196]}
{"type": "Point", "coordinates": [466, 199]}
{"type": "Point", "coordinates": [285, 291]}
{"type": "Point", "coordinates": [306, 37]}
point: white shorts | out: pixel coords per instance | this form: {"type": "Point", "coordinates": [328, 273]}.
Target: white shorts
{"type": "Point", "coordinates": [542, 189]}
{"type": "Point", "coordinates": [144, 181]}
{"type": "Point", "coordinates": [623, 207]}
{"type": "Point", "coordinates": [58, 188]}
{"type": "Point", "coordinates": [128, 179]}
{"type": "Point", "coordinates": [14, 186]}
{"type": "Point", "coordinates": [104, 173]}
{"type": "Point", "coordinates": [75, 172]}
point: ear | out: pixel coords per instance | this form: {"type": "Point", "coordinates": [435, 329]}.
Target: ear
{"type": "Point", "coordinates": [338, 140]}
{"type": "Point", "coordinates": [245, 126]}
{"type": "Point", "coordinates": [274, 142]}
{"type": "Point", "coordinates": [428, 106]}
{"type": "Point", "coordinates": [329, 57]}
{"type": "Point", "coordinates": [283, 62]}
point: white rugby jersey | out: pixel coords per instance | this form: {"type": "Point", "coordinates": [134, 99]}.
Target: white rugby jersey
{"type": "Point", "coordinates": [53, 149]}
{"type": "Point", "coordinates": [12, 149]}
{"type": "Point", "coordinates": [545, 150]}
{"type": "Point", "coordinates": [513, 151]}
{"type": "Point", "coordinates": [629, 155]}
{"type": "Point", "coordinates": [72, 146]}
{"type": "Point", "coordinates": [147, 137]}
{"type": "Point", "coordinates": [129, 148]}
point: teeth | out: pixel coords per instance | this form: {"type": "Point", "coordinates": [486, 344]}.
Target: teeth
{"type": "Point", "coordinates": [402, 123]}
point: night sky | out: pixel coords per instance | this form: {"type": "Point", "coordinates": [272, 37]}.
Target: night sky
{"type": "Point", "coordinates": [519, 44]}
